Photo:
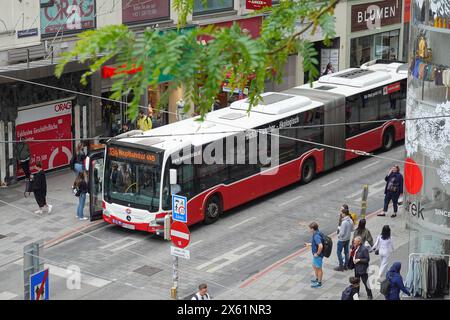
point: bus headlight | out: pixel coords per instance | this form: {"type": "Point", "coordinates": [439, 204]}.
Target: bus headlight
{"type": "Point", "coordinates": [153, 223]}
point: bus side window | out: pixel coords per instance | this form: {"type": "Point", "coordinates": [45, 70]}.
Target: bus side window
{"type": "Point", "coordinates": [185, 180]}
{"type": "Point", "coordinates": [352, 106]}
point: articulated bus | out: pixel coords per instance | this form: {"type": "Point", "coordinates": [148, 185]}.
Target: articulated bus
{"type": "Point", "coordinates": [139, 167]}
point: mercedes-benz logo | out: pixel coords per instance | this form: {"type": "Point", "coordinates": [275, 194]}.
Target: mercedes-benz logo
{"type": "Point", "coordinates": [128, 218]}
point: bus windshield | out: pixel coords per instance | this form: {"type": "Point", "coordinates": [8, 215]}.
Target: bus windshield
{"type": "Point", "coordinates": [133, 184]}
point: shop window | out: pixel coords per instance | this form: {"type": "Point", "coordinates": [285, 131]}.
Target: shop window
{"type": "Point", "coordinates": [212, 6]}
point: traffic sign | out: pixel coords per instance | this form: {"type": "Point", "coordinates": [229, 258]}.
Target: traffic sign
{"type": "Point", "coordinates": [180, 235]}
{"type": "Point", "coordinates": [179, 208]}
{"type": "Point", "coordinates": [178, 252]}
{"type": "Point", "coordinates": [39, 286]}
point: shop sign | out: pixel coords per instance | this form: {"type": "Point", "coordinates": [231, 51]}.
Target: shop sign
{"type": "Point", "coordinates": [27, 33]}
{"type": "Point", "coordinates": [144, 10]}
{"type": "Point", "coordinates": [53, 121]}
{"type": "Point", "coordinates": [64, 16]}
{"type": "Point", "coordinates": [375, 15]}
{"type": "Point", "coordinates": [415, 209]}
{"type": "Point", "coordinates": [442, 212]}
{"type": "Point", "coordinates": [407, 11]}
{"type": "Point", "coordinates": [251, 25]}
{"type": "Point", "coordinates": [257, 4]}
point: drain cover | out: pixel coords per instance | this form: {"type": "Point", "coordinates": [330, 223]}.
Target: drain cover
{"type": "Point", "coordinates": [147, 270]}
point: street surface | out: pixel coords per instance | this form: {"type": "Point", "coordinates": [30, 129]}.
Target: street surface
{"type": "Point", "coordinates": [117, 263]}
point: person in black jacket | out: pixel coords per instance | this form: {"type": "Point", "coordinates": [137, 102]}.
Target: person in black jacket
{"type": "Point", "coordinates": [361, 261]}
{"type": "Point", "coordinates": [393, 190]}
{"type": "Point", "coordinates": [82, 189]}
{"type": "Point", "coordinates": [40, 189]}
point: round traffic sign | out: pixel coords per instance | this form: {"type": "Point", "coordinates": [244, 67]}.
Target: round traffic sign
{"type": "Point", "coordinates": [179, 234]}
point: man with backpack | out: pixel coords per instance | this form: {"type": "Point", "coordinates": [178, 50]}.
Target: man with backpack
{"type": "Point", "coordinates": [393, 190]}
{"type": "Point", "coordinates": [352, 291]}
{"type": "Point", "coordinates": [320, 247]}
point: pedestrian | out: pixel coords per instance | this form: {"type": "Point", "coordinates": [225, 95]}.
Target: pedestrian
{"type": "Point", "coordinates": [344, 235]}
{"type": "Point", "coordinates": [23, 155]}
{"type": "Point", "coordinates": [144, 122]}
{"type": "Point", "coordinates": [316, 248]}
{"type": "Point", "coordinates": [78, 159]}
{"type": "Point", "coordinates": [361, 261]}
{"type": "Point", "coordinates": [393, 190]}
{"type": "Point", "coordinates": [40, 189]}
{"type": "Point", "coordinates": [328, 69]}
{"type": "Point", "coordinates": [384, 246]}
{"type": "Point", "coordinates": [395, 282]}
{"type": "Point", "coordinates": [202, 293]}
{"type": "Point", "coordinates": [81, 187]}
{"type": "Point", "coordinates": [364, 233]}
{"type": "Point", "coordinates": [352, 291]}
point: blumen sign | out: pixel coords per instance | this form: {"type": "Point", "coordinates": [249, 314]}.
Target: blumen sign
{"type": "Point", "coordinates": [67, 16]}
{"type": "Point", "coordinates": [144, 10]}
{"type": "Point", "coordinates": [374, 15]}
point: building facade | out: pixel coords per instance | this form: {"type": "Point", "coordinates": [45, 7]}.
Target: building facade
{"type": "Point", "coordinates": [427, 172]}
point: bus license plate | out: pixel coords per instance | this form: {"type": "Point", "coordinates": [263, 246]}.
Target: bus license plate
{"type": "Point", "coordinates": [123, 225]}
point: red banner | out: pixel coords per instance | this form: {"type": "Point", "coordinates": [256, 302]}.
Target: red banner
{"type": "Point", "coordinates": [407, 11]}
{"type": "Point", "coordinates": [45, 123]}
{"type": "Point", "coordinates": [110, 71]}
{"type": "Point", "coordinates": [251, 25]}
{"type": "Point", "coordinates": [257, 4]}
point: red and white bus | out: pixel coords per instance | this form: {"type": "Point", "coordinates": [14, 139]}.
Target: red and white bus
{"type": "Point", "coordinates": [136, 186]}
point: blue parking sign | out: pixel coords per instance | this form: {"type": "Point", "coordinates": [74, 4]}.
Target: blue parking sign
{"type": "Point", "coordinates": [179, 208]}
{"type": "Point", "coordinates": [39, 286]}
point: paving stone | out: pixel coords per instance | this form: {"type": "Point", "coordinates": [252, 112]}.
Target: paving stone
{"type": "Point", "coordinates": [23, 239]}
{"type": "Point", "coordinates": [16, 221]}
{"type": "Point", "coordinates": [7, 252]}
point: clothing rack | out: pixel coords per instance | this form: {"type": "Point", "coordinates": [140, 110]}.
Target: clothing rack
{"type": "Point", "coordinates": [429, 255]}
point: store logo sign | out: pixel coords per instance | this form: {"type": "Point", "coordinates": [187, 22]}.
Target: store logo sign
{"type": "Point", "coordinates": [441, 212]}
{"type": "Point", "coordinates": [63, 106]}
{"type": "Point", "coordinates": [375, 15]}
{"type": "Point", "coordinates": [415, 209]}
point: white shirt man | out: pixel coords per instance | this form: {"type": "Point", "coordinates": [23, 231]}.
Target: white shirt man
{"type": "Point", "coordinates": [202, 293]}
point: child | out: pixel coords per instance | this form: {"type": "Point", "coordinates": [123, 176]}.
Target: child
{"type": "Point", "coordinates": [351, 292]}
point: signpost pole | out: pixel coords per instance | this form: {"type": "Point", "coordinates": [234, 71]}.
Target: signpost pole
{"type": "Point", "coordinates": [174, 290]}
{"type": "Point", "coordinates": [365, 195]}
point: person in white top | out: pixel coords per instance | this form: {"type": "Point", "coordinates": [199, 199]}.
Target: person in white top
{"type": "Point", "coordinates": [384, 246]}
{"type": "Point", "coordinates": [202, 293]}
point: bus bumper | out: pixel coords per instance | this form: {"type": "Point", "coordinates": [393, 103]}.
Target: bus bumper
{"type": "Point", "coordinates": [132, 226]}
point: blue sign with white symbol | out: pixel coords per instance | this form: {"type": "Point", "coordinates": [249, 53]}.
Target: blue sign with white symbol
{"type": "Point", "coordinates": [179, 208]}
{"type": "Point", "coordinates": [39, 286]}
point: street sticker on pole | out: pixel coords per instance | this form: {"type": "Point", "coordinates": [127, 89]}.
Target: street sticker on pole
{"type": "Point", "coordinates": [179, 208]}
{"type": "Point", "coordinates": [178, 252]}
{"type": "Point", "coordinates": [39, 286]}
{"type": "Point", "coordinates": [179, 234]}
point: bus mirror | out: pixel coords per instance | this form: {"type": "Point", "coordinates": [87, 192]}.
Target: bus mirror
{"type": "Point", "coordinates": [173, 176]}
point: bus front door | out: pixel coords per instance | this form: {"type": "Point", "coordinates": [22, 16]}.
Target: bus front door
{"type": "Point", "coordinates": [95, 169]}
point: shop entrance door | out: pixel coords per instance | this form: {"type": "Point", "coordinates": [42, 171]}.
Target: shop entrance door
{"type": "Point", "coordinates": [95, 170]}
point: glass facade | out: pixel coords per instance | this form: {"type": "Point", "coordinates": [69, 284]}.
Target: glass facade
{"type": "Point", "coordinates": [384, 45]}
{"type": "Point", "coordinates": [212, 6]}
{"type": "Point", "coordinates": [427, 173]}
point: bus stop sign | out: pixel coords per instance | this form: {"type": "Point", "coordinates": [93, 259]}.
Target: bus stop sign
{"type": "Point", "coordinates": [180, 235]}
{"type": "Point", "coordinates": [179, 208]}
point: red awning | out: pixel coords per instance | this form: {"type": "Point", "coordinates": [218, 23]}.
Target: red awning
{"type": "Point", "coordinates": [252, 25]}
{"type": "Point", "coordinates": [110, 71]}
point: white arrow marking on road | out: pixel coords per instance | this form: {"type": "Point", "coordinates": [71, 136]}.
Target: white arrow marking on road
{"type": "Point", "coordinates": [176, 233]}
{"type": "Point", "coordinates": [242, 222]}
{"type": "Point", "coordinates": [230, 256]}
{"type": "Point", "coordinates": [331, 182]}
{"type": "Point", "coordinates": [289, 201]}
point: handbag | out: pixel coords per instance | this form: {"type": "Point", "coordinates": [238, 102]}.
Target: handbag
{"type": "Point", "coordinates": [351, 264]}
{"type": "Point", "coordinates": [28, 187]}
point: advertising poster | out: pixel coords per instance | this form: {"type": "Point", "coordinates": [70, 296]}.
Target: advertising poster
{"type": "Point", "coordinates": [52, 121]}
{"type": "Point", "coordinates": [144, 10]}
{"type": "Point", "coordinates": [66, 16]}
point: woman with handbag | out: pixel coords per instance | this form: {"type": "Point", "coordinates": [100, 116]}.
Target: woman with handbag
{"type": "Point", "coordinates": [80, 189]}
{"type": "Point", "coordinates": [384, 246]}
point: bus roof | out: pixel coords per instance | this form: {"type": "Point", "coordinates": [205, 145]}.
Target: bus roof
{"type": "Point", "coordinates": [353, 81]}
{"type": "Point", "coordinates": [224, 122]}
{"type": "Point", "coordinates": [275, 106]}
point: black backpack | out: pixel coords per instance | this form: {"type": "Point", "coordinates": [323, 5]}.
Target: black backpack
{"type": "Point", "coordinates": [347, 294]}
{"type": "Point", "coordinates": [327, 245]}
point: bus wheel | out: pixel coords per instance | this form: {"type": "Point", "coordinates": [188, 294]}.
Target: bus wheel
{"type": "Point", "coordinates": [213, 209]}
{"type": "Point", "coordinates": [308, 171]}
{"type": "Point", "coordinates": [388, 139]}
